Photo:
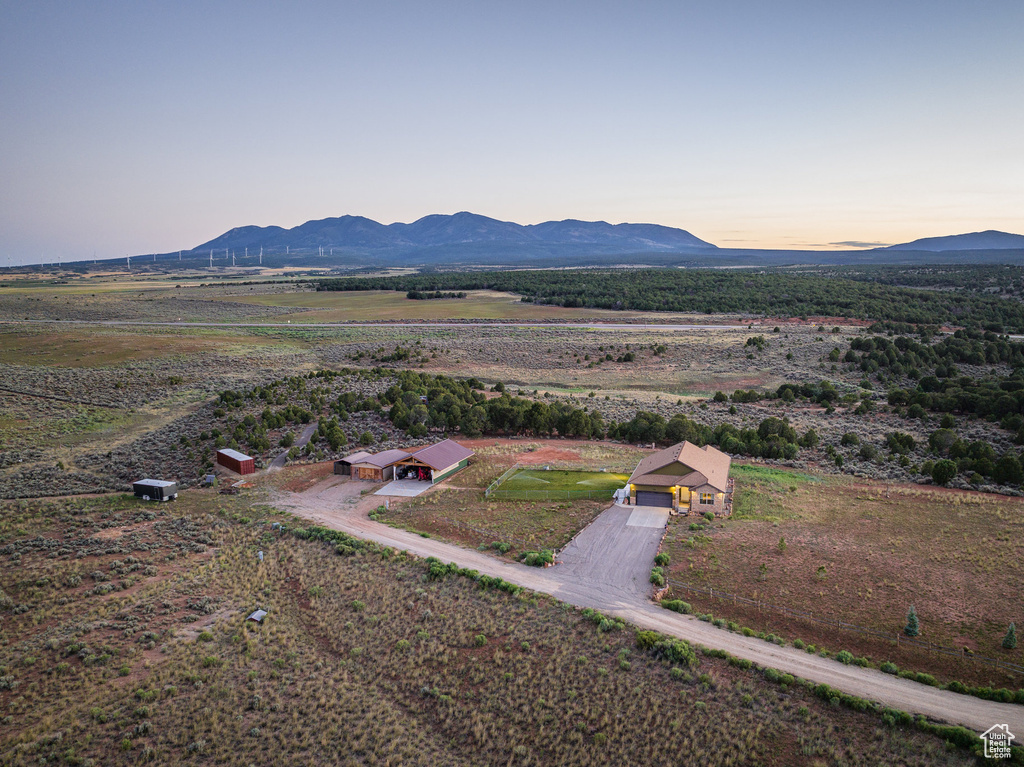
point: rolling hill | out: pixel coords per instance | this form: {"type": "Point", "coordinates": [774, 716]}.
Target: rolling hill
{"type": "Point", "coordinates": [987, 240]}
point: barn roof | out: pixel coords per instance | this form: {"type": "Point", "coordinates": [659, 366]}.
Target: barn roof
{"type": "Point", "coordinates": [234, 454]}
{"type": "Point", "coordinates": [442, 455]}
{"type": "Point", "coordinates": [356, 457]}
{"type": "Point", "coordinates": [701, 466]}
{"type": "Point", "coordinates": [383, 460]}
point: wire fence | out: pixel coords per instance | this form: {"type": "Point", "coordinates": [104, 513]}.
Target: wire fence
{"type": "Point", "coordinates": [519, 543]}
{"type": "Point", "coordinates": [897, 639]}
{"type": "Point", "coordinates": [496, 483]}
{"type": "Point", "coordinates": [551, 495]}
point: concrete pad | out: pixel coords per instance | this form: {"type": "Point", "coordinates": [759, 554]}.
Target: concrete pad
{"type": "Point", "coordinates": [404, 488]}
{"type": "Point", "coordinates": [648, 516]}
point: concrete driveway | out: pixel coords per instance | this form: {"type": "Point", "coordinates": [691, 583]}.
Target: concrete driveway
{"type": "Point", "coordinates": [616, 551]}
{"type": "Point", "coordinates": [404, 488]}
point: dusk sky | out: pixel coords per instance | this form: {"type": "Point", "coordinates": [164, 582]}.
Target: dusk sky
{"type": "Point", "coordinates": [130, 127]}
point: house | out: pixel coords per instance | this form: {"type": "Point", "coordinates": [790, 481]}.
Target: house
{"type": "Point", "coordinates": [682, 477]}
{"type": "Point", "coordinates": [434, 462]}
{"type": "Point", "coordinates": [344, 465]}
{"type": "Point", "coordinates": [155, 489]}
{"type": "Point", "coordinates": [379, 467]}
{"type": "Point", "coordinates": [237, 462]}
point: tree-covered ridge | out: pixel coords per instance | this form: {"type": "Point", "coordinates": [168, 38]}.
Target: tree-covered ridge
{"type": "Point", "coordinates": [708, 291]}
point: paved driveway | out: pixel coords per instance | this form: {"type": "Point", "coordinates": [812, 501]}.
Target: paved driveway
{"type": "Point", "coordinates": [617, 551]}
{"type": "Point", "coordinates": [404, 488]}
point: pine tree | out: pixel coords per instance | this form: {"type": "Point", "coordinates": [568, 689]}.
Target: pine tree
{"type": "Point", "coordinates": [1010, 640]}
{"type": "Point", "coordinates": [913, 627]}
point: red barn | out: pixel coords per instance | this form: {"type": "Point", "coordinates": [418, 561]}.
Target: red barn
{"type": "Point", "coordinates": [237, 462]}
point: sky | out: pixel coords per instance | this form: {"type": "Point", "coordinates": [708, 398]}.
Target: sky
{"type": "Point", "coordinates": [130, 128]}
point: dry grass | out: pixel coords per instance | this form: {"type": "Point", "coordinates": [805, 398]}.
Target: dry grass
{"type": "Point", "coordinates": [398, 669]}
{"type": "Point", "coordinates": [863, 552]}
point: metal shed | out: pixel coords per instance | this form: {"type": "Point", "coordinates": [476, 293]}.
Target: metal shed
{"type": "Point", "coordinates": [155, 489]}
{"type": "Point", "coordinates": [344, 465]}
{"type": "Point", "coordinates": [237, 462]}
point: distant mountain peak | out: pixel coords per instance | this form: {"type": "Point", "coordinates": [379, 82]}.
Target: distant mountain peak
{"type": "Point", "coordinates": [990, 239]}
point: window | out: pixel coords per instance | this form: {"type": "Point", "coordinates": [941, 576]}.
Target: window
{"type": "Point", "coordinates": [707, 499]}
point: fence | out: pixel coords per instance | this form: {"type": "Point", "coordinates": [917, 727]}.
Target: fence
{"type": "Point", "coordinates": [552, 495]}
{"type": "Point", "coordinates": [505, 537]}
{"type": "Point", "coordinates": [508, 473]}
{"type": "Point", "coordinates": [898, 639]}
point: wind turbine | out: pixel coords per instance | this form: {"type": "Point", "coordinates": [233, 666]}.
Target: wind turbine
{"type": "Point", "coordinates": [211, 258]}
{"type": "Point", "coordinates": [261, 255]}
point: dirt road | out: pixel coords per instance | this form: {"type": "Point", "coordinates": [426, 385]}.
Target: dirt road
{"type": "Point", "coordinates": [337, 504]}
{"type": "Point", "coordinates": [278, 463]}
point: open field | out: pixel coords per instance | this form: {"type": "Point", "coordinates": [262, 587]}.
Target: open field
{"type": "Point", "coordinates": [128, 642]}
{"type": "Point", "coordinates": [862, 553]}
{"type": "Point", "coordinates": [388, 305]}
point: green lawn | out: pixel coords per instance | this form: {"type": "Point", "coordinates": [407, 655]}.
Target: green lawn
{"type": "Point", "coordinates": [538, 484]}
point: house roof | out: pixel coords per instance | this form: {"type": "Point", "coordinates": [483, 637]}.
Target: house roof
{"type": "Point", "coordinates": [442, 454]}
{"type": "Point", "coordinates": [703, 466]}
{"type": "Point", "coordinates": [234, 454]}
{"type": "Point", "coordinates": [382, 460]}
{"type": "Point", "coordinates": [356, 457]}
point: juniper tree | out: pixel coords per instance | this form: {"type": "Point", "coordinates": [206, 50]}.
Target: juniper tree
{"type": "Point", "coordinates": [913, 627]}
{"type": "Point", "coordinates": [1010, 640]}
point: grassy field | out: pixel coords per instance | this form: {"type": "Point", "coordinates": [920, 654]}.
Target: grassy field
{"type": "Point", "coordinates": [537, 484]}
{"type": "Point", "coordinates": [391, 305]}
{"type": "Point", "coordinates": [864, 552]}
{"type": "Point", "coordinates": [124, 640]}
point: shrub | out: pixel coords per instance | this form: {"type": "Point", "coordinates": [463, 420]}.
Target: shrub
{"type": "Point", "coordinates": [913, 627]}
{"type": "Point", "coordinates": [677, 605]}
{"type": "Point", "coordinates": [658, 577]}
{"type": "Point", "coordinates": [662, 559]}
{"type": "Point", "coordinates": [479, 640]}
{"type": "Point", "coordinates": [845, 657]}
{"type": "Point", "coordinates": [1010, 640]}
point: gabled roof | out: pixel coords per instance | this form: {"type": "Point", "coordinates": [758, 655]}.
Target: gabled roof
{"type": "Point", "coordinates": [442, 455]}
{"type": "Point", "coordinates": [701, 466]}
{"type": "Point", "coordinates": [356, 457]}
{"type": "Point", "coordinates": [383, 460]}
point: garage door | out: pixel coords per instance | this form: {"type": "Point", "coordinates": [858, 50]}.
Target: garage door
{"type": "Point", "coordinates": [653, 498]}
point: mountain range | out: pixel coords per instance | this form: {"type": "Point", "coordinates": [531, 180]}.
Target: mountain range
{"type": "Point", "coordinates": [461, 229]}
